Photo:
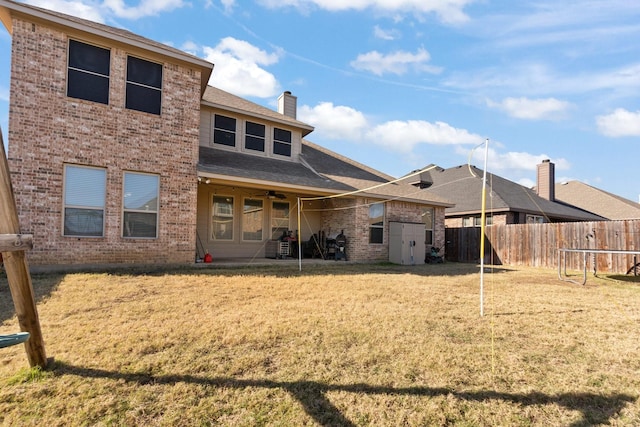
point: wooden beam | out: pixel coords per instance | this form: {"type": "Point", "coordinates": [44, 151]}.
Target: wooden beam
{"type": "Point", "coordinates": [17, 270]}
{"type": "Point", "coordinates": [16, 242]}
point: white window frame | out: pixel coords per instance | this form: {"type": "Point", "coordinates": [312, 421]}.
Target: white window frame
{"type": "Point", "coordinates": [245, 222]}
{"type": "Point", "coordinates": [284, 143]}
{"type": "Point", "coordinates": [221, 215]}
{"type": "Point", "coordinates": [429, 227]}
{"type": "Point", "coordinates": [235, 132]}
{"type": "Point", "coordinates": [376, 226]}
{"type": "Point", "coordinates": [100, 186]}
{"type": "Point", "coordinates": [277, 223]}
{"type": "Point", "coordinates": [147, 210]}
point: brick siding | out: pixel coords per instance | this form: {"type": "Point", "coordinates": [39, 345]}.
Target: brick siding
{"type": "Point", "coordinates": [47, 129]}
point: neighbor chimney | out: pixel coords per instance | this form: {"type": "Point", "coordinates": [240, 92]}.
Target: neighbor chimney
{"type": "Point", "coordinates": [287, 104]}
{"type": "Point", "coordinates": [546, 180]}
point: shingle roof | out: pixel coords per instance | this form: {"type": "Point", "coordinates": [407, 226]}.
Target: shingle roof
{"type": "Point", "coordinates": [215, 97]}
{"type": "Point", "coordinates": [463, 185]}
{"type": "Point", "coordinates": [320, 170]}
{"type": "Point", "coordinates": [597, 201]}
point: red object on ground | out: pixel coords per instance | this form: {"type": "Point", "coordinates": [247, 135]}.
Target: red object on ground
{"type": "Point", "coordinates": [208, 257]}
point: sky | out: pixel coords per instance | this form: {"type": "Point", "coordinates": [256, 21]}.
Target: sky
{"type": "Point", "coordinates": [401, 84]}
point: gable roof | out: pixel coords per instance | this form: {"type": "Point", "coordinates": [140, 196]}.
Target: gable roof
{"type": "Point", "coordinates": [597, 201]}
{"type": "Point", "coordinates": [218, 98]}
{"type": "Point", "coordinates": [115, 35]}
{"type": "Point", "coordinates": [320, 171]}
{"type": "Point", "coordinates": [463, 185]}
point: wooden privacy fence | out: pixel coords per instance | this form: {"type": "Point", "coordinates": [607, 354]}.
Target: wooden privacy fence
{"type": "Point", "coordinates": [537, 244]}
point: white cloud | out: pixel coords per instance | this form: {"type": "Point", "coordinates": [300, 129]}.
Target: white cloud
{"type": "Point", "coordinates": [334, 122]}
{"type": "Point", "coordinates": [619, 123]}
{"type": "Point", "coordinates": [379, 33]}
{"type": "Point", "coordinates": [4, 94]}
{"type": "Point", "coordinates": [514, 160]}
{"type": "Point", "coordinates": [342, 122]}
{"type": "Point", "coordinates": [448, 11]}
{"type": "Point", "coordinates": [238, 68]}
{"type": "Point", "coordinates": [405, 135]}
{"type": "Point", "coordinates": [144, 8]}
{"type": "Point", "coordinates": [75, 8]}
{"type": "Point", "coordinates": [398, 62]}
{"type": "Point", "coordinates": [228, 5]}
{"type": "Point", "coordinates": [532, 109]}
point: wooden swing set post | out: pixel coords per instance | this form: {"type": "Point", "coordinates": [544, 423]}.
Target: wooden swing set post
{"type": "Point", "coordinates": [17, 268]}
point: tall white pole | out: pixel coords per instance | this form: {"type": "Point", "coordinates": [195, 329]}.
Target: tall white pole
{"type": "Point", "coordinates": [482, 225]}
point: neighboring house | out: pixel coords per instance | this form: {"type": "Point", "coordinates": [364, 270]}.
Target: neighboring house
{"type": "Point", "coordinates": [507, 202]}
{"type": "Point", "coordinates": [121, 153]}
{"type": "Point", "coordinates": [597, 201]}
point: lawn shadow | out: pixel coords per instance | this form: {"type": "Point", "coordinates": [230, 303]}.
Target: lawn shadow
{"type": "Point", "coordinates": [43, 286]}
{"type": "Point", "coordinates": [595, 408]}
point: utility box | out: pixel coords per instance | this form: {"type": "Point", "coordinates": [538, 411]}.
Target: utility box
{"type": "Point", "coordinates": [407, 243]}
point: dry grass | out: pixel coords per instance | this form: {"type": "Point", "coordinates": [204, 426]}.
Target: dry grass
{"type": "Point", "coordinates": [334, 345]}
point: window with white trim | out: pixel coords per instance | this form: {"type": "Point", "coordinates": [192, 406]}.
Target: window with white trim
{"type": "Point", "coordinates": [144, 85]}
{"type": "Point", "coordinates": [254, 136]}
{"type": "Point", "coordinates": [535, 219]}
{"type": "Point", "coordinates": [428, 218]}
{"type": "Point", "coordinates": [85, 191]}
{"type": "Point", "coordinates": [282, 142]}
{"type": "Point", "coordinates": [88, 72]}
{"type": "Point", "coordinates": [222, 218]}
{"type": "Point", "coordinates": [252, 219]}
{"type": "Point", "coordinates": [224, 130]}
{"type": "Point", "coordinates": [279, 219]}
{"type": "Point", "coordinates": [376, 223]}
{"type": "Point", "coordinates": [140, 205]}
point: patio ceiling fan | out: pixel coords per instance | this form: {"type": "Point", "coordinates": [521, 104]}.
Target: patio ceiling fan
{"type": "Point", "coordinates": [271, 194]}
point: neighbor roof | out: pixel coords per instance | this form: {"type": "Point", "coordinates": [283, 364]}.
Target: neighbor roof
{"type": "Point", "coordinates": [597, 201]}
{"type": "Point", "coordinates": [463, 185]}
{"type": "Point", "coordinates": [118, 35]}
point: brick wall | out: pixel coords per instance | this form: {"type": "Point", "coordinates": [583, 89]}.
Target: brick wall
{"type": "Point", "coordinates": [47, 129]}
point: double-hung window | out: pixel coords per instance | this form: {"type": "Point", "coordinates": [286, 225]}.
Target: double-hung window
{"type": "Point", "coordinates": [281, 142]}
{"type": "Point", "coordinates": [279, 219]}
{"type": "Point", "coordinates": [252, 219]}
{"type": "Point", "coordinates": [144, 85]}
{"type": "Point", "coordinates": [141, 194]}
{"type": "Point", "coordinates": [224, 130]}
{"type": "Point", "coordinates": [85, 190]}
{"type": "Point", "coordinates": [88, 72]}
{"type": "Point", "coordinates": [376, 223]}
{"type": "Point", "coordinates": [428, 219]}
{"type": "Point", "coordinates": [254, 136]}
{"type": "Point", "coordinates": [222, 218]}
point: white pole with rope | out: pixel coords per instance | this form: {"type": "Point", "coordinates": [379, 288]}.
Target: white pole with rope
{"type": "Point", "coordinates": [482, 225]}
{"type": "Point", "coordinates": [299, 238]}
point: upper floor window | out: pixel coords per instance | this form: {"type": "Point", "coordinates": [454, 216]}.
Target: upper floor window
{"type": "Point", "coordinates": [85, 190]}
{"type": "Point", "coordinates": [224, 130]}
{"type": "Point", "coordinates": [281, 142]}
{"type": "Point", "coordinates": [141, 193]}
{"type": "Point", "coordinates": [376, 223]}
{"type": "Point", "coordinates": [254, 136]}
{"type": "Point", "coordinates": [88, 72]}
{"type": "Point", "coordinates": [144, 85]}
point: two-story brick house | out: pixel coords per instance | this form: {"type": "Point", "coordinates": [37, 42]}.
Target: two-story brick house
{"type": "Point", "coordinates": [120, 152]}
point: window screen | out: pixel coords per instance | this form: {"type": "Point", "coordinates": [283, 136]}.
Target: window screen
{"type": "Point", "coordinates": [254, 136]}
{"type": "Point", "coordinates": [376, 223]}
{"type": "Point", "coordinates": [252, 219]}
{"type": "Point", "coordinates": [88, 72]}
{"type": "Point", "coordinates": [224, 130]}
{"type": "Point", "coordinates": [144, 85]}
{"type": "Point", "coordinates": [282, 142]}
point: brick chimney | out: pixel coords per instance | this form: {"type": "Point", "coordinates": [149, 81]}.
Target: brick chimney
{"type": "Point", "coordinates": [546, 180]}
{"type": "Point", "coordinates": [287, 104]}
